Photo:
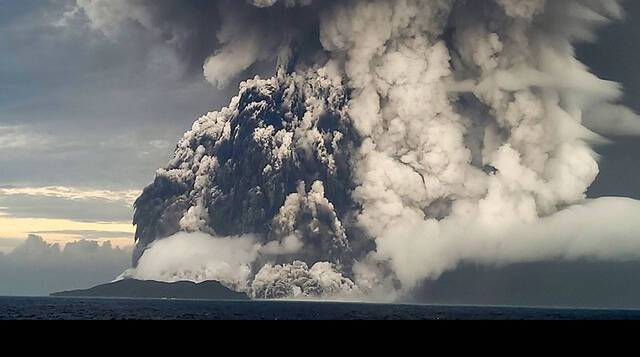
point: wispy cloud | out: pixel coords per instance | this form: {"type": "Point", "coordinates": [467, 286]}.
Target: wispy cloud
{"type": "Point", "coordinates": [89, 234]}
{"type": "Point", "coordinates": [18, 137]}
{"type": "Point", "coordinates": [73, 193]}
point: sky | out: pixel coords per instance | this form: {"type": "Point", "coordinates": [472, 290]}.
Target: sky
{"type": "Point", "coordinates": [85, 122]}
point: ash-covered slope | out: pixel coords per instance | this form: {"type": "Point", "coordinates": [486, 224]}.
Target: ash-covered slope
{"type": "Point", "coordinates": [274, 163]}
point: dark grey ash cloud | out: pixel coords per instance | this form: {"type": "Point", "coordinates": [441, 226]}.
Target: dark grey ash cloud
{"type": "Point", "coordinates": [228, 38]}
{"type": "Point", "coordinates": [184, 26]}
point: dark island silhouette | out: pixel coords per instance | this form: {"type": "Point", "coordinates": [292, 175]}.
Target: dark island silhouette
{"type": "Point", "coordinates": [129, 288]}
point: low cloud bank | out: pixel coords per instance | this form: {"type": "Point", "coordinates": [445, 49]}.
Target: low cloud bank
{"type": "Point", "coordinates": [38, 268]}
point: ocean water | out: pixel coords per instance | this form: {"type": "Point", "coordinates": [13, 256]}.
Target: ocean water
{"type": "Point", "coordinates": [133, 309]}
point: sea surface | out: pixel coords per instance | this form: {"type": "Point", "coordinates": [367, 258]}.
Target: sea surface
{"type": "Point", "coordinates": [134, 309]}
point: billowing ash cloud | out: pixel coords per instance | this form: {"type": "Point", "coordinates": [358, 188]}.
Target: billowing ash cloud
{"type": "Point", "coordinates": [226, 36]}
{"type": "Point", "coordinates": [186, 26]}
{"type": "Point", "coordinates": [397, 140]}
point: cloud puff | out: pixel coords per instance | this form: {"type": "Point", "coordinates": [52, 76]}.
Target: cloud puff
{"type": "Point", "coordinates": [298, 281]}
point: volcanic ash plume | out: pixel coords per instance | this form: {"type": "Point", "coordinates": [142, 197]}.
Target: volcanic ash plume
{"type": "Point", "coordinates": [398, 139]}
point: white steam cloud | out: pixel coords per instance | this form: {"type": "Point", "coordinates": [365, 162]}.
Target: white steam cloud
{"type": "Point", "coordinates": [198, 257]}
{"type": "Point", "coordinates": [465, 134]}
{"type": "Point", "coordinates": [602, 229]}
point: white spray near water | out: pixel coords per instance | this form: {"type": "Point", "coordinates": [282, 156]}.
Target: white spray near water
{"type": "Point", "coordinates": [471, 146]}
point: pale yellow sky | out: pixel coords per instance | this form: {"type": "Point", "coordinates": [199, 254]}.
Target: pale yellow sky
{"type": "Point", "coordinates": [20, 228]}
{"type": "Point", "coordinates": [63, 231]}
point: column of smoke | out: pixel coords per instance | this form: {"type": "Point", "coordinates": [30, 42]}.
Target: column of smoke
{"type": "Point", "coordinates": [398, 139]}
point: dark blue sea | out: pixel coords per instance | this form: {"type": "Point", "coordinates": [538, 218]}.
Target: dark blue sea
{"type": "Point", "coordinates": [129, 309]}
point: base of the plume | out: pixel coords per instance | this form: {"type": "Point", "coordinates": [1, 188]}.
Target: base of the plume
{"type": "Point", "coordinates": [242, 264]}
